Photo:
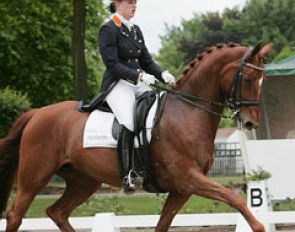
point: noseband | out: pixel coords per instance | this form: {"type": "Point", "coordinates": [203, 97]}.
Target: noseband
{"type": "Point", "coordinates": [233, 102]}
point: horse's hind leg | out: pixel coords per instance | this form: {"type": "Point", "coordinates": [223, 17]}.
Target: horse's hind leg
{"type": "Point", "coordinates": [78, 189]}
{"type": "Point", "coordinates": [20, 204]}
{"type": "Point", "coordinates": [27, 187]}
{"type": "Point", "coordinates": [31, 178]}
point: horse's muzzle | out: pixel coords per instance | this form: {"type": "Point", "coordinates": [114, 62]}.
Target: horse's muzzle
{"type": "Point", "coordinates": [250, 125]}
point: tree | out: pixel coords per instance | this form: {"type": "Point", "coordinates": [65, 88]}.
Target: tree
{"type": "Point", "coordinates": [96, 14]}
{"type": "Point", "coordinates": [12, 105]}
{"type": "Point", "coordinates": [170, 55]}
{"type": "Point", "coordinates": [181, 44]}
{"type": "Point", "coordinates": [78, 49]}
{"type": "Point", "coordinates": [266, 20]}
{"type": "Point", "coordinates": [34, 42]}
{"type": "Point", "coordinates": [231, 26]}
{"type": "Point", "coordinates": [35, 48]}
{"type": "Point", "coordinates": [86, 60]}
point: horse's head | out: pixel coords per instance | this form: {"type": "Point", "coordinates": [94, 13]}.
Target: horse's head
{"type": "Point", "coordinates": [226, 75]}
{"type": "Point", "coordinates": [241, 81]}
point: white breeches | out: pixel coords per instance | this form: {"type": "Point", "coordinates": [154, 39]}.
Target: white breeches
{"type": "Point", "coordinates": [121, 99]}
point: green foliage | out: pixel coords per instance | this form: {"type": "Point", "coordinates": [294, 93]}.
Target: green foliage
{"type": "Point", "coordinates": [178, 45]}
{"type": "Point", "coordinates": [12, 104]}
{"type": "Point", "coordinates": [95, 17]}
{"type": "Point", "coordinates": [285, 52]}
{"type": "Point", "coordinates": [98, 204]}
{"type": "Point", "coordinates": [35, 47]}
{"type": "Point", "coordinates": [170, 56]}
{"type": "Point", "coordinates": [227, 122]}
{"type": "Point", "coordinates": [257, 175]}
{"type": "Point", "coordinates": [268, 21]}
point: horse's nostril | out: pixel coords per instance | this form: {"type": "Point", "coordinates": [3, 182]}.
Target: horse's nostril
{"type": "Point", "coordinates": [249, 125]}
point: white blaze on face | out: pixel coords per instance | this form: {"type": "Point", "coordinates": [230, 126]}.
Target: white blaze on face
{"type": "Point", "coordinates": [260, 81]}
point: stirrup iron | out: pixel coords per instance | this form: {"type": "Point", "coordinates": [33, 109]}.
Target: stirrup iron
{"type": "Point", "coordinates": [130, 179]}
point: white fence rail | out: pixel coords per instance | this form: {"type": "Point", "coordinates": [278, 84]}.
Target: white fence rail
{"type": "Point", "coordinates": [108, 222]}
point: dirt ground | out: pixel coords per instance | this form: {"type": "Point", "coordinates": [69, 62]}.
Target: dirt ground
{"type": "Point", "coordinates": [279, 228]}
{"type": "Point", "coordinates": [282, 228]}
{"type": "Point", "coordinates": [188, 229]}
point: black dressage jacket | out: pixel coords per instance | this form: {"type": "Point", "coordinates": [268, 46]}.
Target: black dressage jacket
{"type": "Point", "coordinates": [124, 54]}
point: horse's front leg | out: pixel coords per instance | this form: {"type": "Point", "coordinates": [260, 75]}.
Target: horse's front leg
{"type": "Point", "coordinates": [173, 203]}
{"type": "Point", "coordinates": [207, 188]}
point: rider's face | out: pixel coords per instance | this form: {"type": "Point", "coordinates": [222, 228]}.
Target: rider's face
{"type": "Point", "coordinates": [126, 8]}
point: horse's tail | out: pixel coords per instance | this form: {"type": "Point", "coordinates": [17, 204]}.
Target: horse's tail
{"type": "Point", "coordinates": [9, 154]}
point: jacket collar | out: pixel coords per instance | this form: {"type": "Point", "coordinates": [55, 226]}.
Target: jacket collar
{"type": "Point", "coordinates": [119, 19]}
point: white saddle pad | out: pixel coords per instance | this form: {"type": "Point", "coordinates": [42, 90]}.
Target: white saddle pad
{"type": "Point", "coordinates": [98, 129]}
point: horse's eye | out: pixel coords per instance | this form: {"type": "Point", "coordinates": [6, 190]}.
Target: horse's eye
{"type": "Point", "coordinates": [248, 80]}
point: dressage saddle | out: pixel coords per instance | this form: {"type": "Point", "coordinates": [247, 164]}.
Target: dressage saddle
{"type": "Point", "coordinates": [142, 159]}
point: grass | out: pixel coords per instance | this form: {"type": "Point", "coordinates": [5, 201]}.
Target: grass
{"type": "Point", "coordinates": [133, 205]}
{"type": "Point", "coordinates": [129, 205]}
{"type": "Point", "coordinates": [142, 205]}
{"type": "Point", "coordinates": [136, 204]}
{"type": "Point", "coordinates": [145, 204]}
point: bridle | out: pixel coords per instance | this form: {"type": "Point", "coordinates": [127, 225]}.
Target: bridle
{"type": "Point", "coordinates": [233, 102]}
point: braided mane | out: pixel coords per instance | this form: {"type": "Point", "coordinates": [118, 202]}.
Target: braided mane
{"type": "Point", "coordinates": [191, 65]}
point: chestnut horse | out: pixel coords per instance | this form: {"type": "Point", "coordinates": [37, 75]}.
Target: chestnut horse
{"type": "Point", "coordinates": [48, 141]}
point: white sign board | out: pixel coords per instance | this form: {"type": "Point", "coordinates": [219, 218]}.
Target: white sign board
{"type": "Point", "coordinates": [278, 158]}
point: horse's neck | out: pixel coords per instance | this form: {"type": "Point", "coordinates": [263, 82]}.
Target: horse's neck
{"type": "Point", "coordinates": [202, 82]}
{"type": "Point", "coordinates": [190, 123]}
{"type": "Point", "coordinates": [189, 130]}
{"type": "Point", "coordinates": [203, 79]}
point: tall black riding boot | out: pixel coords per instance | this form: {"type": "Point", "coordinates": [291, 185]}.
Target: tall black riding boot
{"type": "Point", "coordinates": [125, 158]}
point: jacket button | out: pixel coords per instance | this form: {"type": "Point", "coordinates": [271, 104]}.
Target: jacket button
{"type": "Point", "coordinates": [129, 61]}
{"type": "Point", "coordinates": [138, 51]}
{"type": "Point", "coordinates": [130, 51]}
{"type": "Point", "coordinates": [136, 60]}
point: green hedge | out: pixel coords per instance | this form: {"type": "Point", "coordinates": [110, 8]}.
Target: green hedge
{"type": "Point", "coordinates": [12, 104]}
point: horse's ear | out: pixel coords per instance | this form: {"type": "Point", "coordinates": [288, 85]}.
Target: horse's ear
{"type": "Point", "coordinates": [266, 50]}
{"type": "Point", "coordinates": [255, 50]}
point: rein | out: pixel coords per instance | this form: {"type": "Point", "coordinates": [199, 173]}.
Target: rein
{"type": "Point", "coordinates": [234, 102]}
{"type": "Point", "coordinates": [193, 100]}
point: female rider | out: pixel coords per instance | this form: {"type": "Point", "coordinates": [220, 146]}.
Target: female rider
{"type": "Point", "coordinates": [130, 66]}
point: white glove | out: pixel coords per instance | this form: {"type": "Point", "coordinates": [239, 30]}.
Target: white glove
{"type": "Point", "coordinates": [168, 77]}
{"type": "Point", "coordinates": [147, 78]}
